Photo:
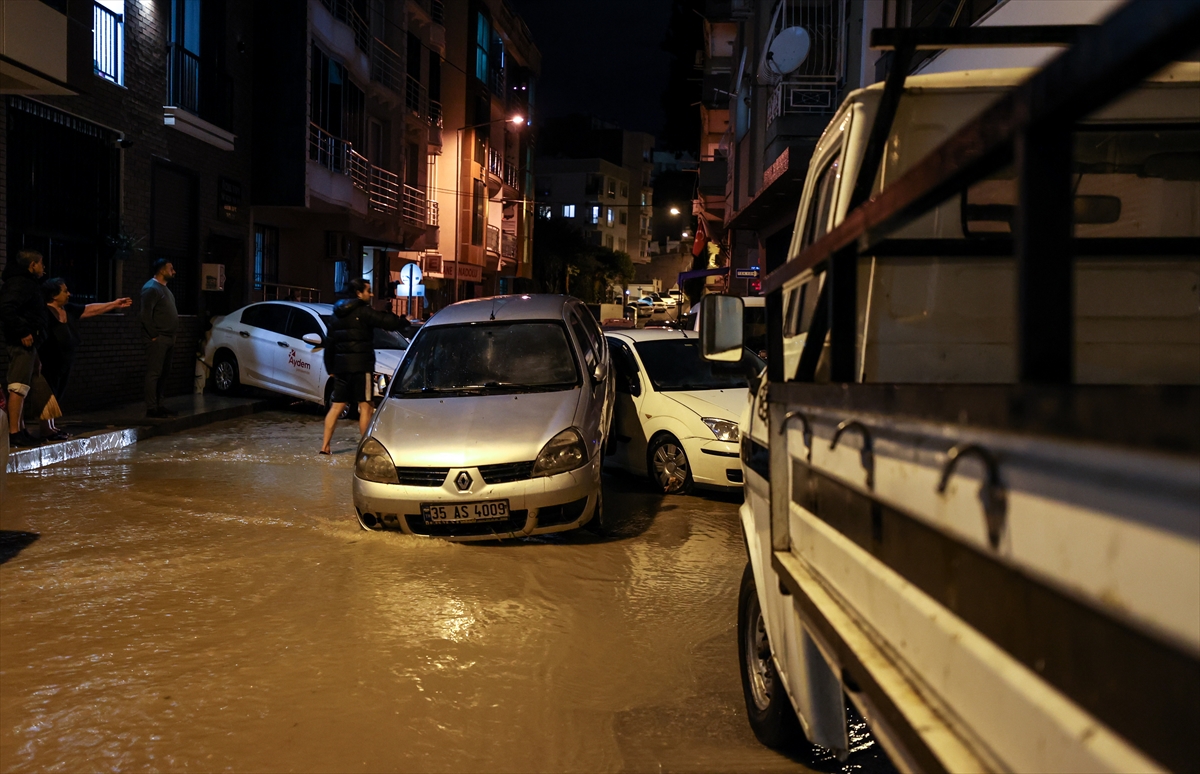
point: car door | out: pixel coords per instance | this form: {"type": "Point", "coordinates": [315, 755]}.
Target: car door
{"type": "Point", "coordinates": [302, 365]}
{"type": "Point", "coordinates": [627, 441]}
{"type": "Point", "coordinates": [591, 347]}
{"type": "Point", "coordinates": [262, 341]}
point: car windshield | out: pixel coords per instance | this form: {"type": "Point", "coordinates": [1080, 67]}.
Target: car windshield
{"type": "Point", "coordinates": [487, 358]}
{"type": "Point", "coordinates": [675, 364]}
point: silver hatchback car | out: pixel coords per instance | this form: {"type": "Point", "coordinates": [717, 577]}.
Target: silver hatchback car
{"type": "Point", "coordinates": [493, 425]}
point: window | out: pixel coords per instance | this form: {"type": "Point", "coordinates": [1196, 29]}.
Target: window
{"type": "Point", "coordinates": [594, 185]}
{"type": "Point", "coordinates": [478, 212]}
{"type": "Point", "coordinates": [341, 275]}
{"type": "Point", "coordinates": [544, 211]}
{"type": "Point", "coordinates": [645, 199]}
{"type": "Point", "coordinates": [183, 65]}
{"type": "Point", "coordinates": [611, 187]}
{"type": "Point", "coordinates": [621, 244]}
{"type": "Point", "coordinates": [816, 221]}
{"type": "Point", "coordinates": [301, 323]}
{"type": "Point", "coordinates": [629, 382]}
{"type": "Point", "coordinates": [595, 216]}
{"type": "Point", "coordinates": [108, 40]}
{"type": "Point", "coordinates": [568, 211]}
{"type": "Point", "coordinates": [608, 241]}
{"type": "Point", "coordinates": [610, 216]}
{"type": "Point", "coordinates": [624, 191]}
{"type": "Point", "coordinates": [623, 217]}
{"type": "Point", "coordinates": [483, 43]}
{"type": "Point", "coordinates": [266, 255]}
{"type": "Point", "coordinates": [586, 341]}
{"type": "Point", "coordinates": [269, 317]}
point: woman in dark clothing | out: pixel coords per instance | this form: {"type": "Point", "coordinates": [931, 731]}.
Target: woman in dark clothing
{"type": "Point", "coordinates": [62, 339]}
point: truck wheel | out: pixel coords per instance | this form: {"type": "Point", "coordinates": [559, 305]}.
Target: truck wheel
{"type": "Point", "coordinates": [226, 378]}
{"type": "Point", "coordinates": [767, 706]}
{"type": "Point", "coordinates": [668, 465]}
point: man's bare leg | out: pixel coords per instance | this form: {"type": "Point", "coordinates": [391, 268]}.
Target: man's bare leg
{"type": "Point", "coordinates": [335, 411]}
{"type": "Point", "coordinates": [15, 401]}
{"type": "Point", "coordinates": [364, 417]}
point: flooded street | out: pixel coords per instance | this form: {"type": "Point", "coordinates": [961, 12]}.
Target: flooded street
{"type": "Point", "coordinates": [208, 602]}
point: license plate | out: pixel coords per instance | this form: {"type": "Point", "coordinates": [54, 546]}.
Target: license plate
{"type": "Point", "coordinates": [452, 513]}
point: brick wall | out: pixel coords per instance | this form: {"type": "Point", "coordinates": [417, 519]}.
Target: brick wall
{"type": "Point", "coordinates": [110, 366]}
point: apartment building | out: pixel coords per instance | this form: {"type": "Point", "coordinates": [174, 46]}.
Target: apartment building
{"type": "Point", "coordinates": [600, 179]}
{"type": "Point", "coordinates": [126, 137]}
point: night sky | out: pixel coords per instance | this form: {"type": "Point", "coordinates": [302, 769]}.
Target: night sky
{"type": "Point", "coordinates": [601, 58]}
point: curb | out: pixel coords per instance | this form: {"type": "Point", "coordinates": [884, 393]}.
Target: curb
{"type": "Point", "coordinates": [26, 460]}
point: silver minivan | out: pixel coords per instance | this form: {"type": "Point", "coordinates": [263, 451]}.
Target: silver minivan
{"type": "Point", "coordinates": [493, 424]}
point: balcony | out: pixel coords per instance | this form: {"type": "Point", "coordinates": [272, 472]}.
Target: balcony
{"type": "Point", "coordinates": [344, 12]}
{"type": "Point", "coordinates": [199, 100]}
{"type": "Point", "coordinates": [108, 55]}
{"type": "Point", "coordinates": [413, 205]}
{"type": "Point", "coordinates": [432, 213]}
{"type": "Point", "coordinates": [508, 245]}
{"type": "Point", "coordinates": [386, 67]}
{"type": "Point", "coordinates": [512, 177]}
{"type": "Point", "coordinates": [385, 193]}
{"type": "Point", "coordinates": [495, 163]}
{"type": "Point", "coordinates": [496, 82]}
{"type": "Point", "coordinates": [415, 99]}
{"type": "Point", "coordinates": [183, 78]}
{"type": "Point", "coordinates": [493, 239]}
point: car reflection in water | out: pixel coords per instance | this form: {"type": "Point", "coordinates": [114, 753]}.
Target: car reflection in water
{"type": "Point", "coordinates": [493, 426]}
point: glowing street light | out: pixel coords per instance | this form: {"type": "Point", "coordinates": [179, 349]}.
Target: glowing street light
{"type": "Point", "coordinates": [674, 210]}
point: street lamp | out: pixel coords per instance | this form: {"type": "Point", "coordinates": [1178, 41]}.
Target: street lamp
{"type": "Point", "coordinates": [674, 210]}
{"type": "Point", "coordinates": [517, 120]}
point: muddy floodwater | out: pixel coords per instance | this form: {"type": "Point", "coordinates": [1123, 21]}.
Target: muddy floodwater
{"type": "Point", "coordinates": [207, 602]}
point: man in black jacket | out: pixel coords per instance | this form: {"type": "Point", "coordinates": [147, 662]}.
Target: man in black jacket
{"type": "Point", "coordinates": [350, 355]}
{"type": "Point", "coordinates": [23, 314]}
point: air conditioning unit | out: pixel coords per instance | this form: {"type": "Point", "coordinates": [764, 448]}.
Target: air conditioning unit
{"type": "Point", "coordinates": [212, 276]}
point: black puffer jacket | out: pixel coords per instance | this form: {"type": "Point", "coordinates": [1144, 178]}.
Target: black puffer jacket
{"type": "Point", "coordinates": [351, 345]}
{"type": "Point", "coordinates": [22, 309]}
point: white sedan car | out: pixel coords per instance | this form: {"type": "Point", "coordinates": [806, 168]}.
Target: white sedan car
{"type": "Point", "coordinates": [279, 346]}
{"type": "Point", "coordinates": [676, 414]}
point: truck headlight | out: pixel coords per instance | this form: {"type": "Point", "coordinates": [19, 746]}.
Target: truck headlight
{"type": "Point", "coordinates": [374, 463]}
{"type": "Point", "coordinates": [561, 453]}
{"type": "Point", "coordinates": [723, 429]}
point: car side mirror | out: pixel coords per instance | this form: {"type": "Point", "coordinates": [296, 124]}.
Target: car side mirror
{"type": "Point", "coordinates": [314, 339]}
{"type": "Point", "coordinates": [600, 372]}
{"type": "Point", "coordinates": [721, 334]}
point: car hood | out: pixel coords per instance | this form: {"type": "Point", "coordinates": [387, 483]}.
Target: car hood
{"type": "Point", "coordinates": [473, 430]}
{"type": "Point", "coordinates": [721, 404]}
{"type": "Point", "coordinates": [386, 360]}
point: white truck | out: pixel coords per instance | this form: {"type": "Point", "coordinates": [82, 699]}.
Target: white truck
{"type": "Point", "coordinates": [1000, 572]}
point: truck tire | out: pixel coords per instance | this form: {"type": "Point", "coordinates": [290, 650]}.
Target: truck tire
{"type": "Point", "coordinates": [767, 706]}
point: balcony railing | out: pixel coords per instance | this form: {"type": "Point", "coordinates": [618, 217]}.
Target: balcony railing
{"type": "Point", "coordinates": [414, 96]}
{"type": "Point", "coordinates": [431, 217]}
{"type": "Point", "coordinates": [495, 162]}
{"type": "Point", "coordinates": [344, 12]}
{"type": "Point", "coordinates": [493, 238]}
{"type": "Point", "coordinates": [385, 190]}
{"type": "Point", "coordinates": [435, 113]}
{"type": "Point", "coordinates": [437, 10]}
{"type": "Point", "coordinates": [328, 151]}
{"type": "Point", "coordinates": [413, 205]}
{"type": "Point", "coordinates": [274, 291]}
{"type": "Point", "coordinates": [508, 245]}
{"type": "Point", "coordinates": [107, 49]}
{"type": "Point", "coordinates": [512, 177]}
{"type": "Point", "coordinates": [183, 78]}
{"type": "Point", "coordinates": [386, 66]}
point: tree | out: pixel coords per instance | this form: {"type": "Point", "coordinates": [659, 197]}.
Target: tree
{"type": "Point", "coordinates": [563, 261]}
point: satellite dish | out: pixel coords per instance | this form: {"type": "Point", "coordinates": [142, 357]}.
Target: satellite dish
{"type": "Point", "coordinates": [788, 50]}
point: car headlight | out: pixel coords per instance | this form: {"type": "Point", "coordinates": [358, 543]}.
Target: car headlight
{"type": "Point", "coordinates": [561, 453]}
{"type": "Point", "coordinates": [374, 463]}
{"type": "Point", "coordinates": [723, 429]}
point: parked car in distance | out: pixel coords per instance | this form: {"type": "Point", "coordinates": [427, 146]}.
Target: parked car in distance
{"type": "Point", "coordinates": [279, 346]}
{"type": "Point", "coordinates": [658, 310]}
{"type": "Point", "coordinates": [639, 313]}
{"type": "Point", "coordinates": [676, 414]}
{"type": "Point", "coordinates": [493, 426]}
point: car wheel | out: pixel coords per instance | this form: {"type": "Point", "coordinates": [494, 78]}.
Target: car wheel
{"type": "Point", "coordinates": [226, 378]}
{"type": "Point", "coordinates": [767, 706]}
{"type": "Point", "coordinates": [668, 466]}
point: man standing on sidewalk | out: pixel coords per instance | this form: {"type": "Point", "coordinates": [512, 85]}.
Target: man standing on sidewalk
{"type": "Point", "coordinates": [23, 315]}
{"type": "Point", "coordinates": [160, 320]}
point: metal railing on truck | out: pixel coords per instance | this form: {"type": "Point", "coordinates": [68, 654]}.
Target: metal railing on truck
{"type": "Point", "coordinates": [1142, 686]}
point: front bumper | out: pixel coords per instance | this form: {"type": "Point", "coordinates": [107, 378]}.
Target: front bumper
{"type": "Point", "coordinates": [714, 463]}
{"type": "Point", "coordinates": [536, 505]}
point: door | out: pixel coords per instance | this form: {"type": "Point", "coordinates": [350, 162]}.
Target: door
{"type": "Point", "coordinates": [262, 343]}
{"type": "Point", "coordinates": [302, 365]}
{"type": "Point", "coordinates": [627, 441]}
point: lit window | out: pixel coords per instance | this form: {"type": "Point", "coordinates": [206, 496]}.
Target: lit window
{"type": "Point", "coordinates": [568, 210]}
{"type": "Point", "coordinates": [543, 211]}
{"type": "Point", "coordinates": [595, 214]}
{"type": "Point", "coordinates": [483, 42]}
{"type": "Point", "coordinates": [612, 187]}
{"type": "Point", "coordinates": [610, 215]}
{"type": "Point", "coordinates": [108, 40]}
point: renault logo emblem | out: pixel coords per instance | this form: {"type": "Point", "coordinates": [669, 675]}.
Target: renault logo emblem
{"type": "Point", "coordinates": [463, 481]}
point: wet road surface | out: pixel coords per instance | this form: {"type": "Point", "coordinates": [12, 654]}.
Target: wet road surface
{"type": "Point", "coordinates": [207, 602]}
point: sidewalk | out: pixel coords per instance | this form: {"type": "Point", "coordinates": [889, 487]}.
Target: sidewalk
{"type": "Point", "coordinates": [114, 428]}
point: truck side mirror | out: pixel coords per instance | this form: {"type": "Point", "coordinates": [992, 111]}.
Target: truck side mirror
{"type": "Point", "coordinates": [721, 335]}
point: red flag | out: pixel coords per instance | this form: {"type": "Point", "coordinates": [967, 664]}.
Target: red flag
{"type": "Point", "coordinates": [700, 243]}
